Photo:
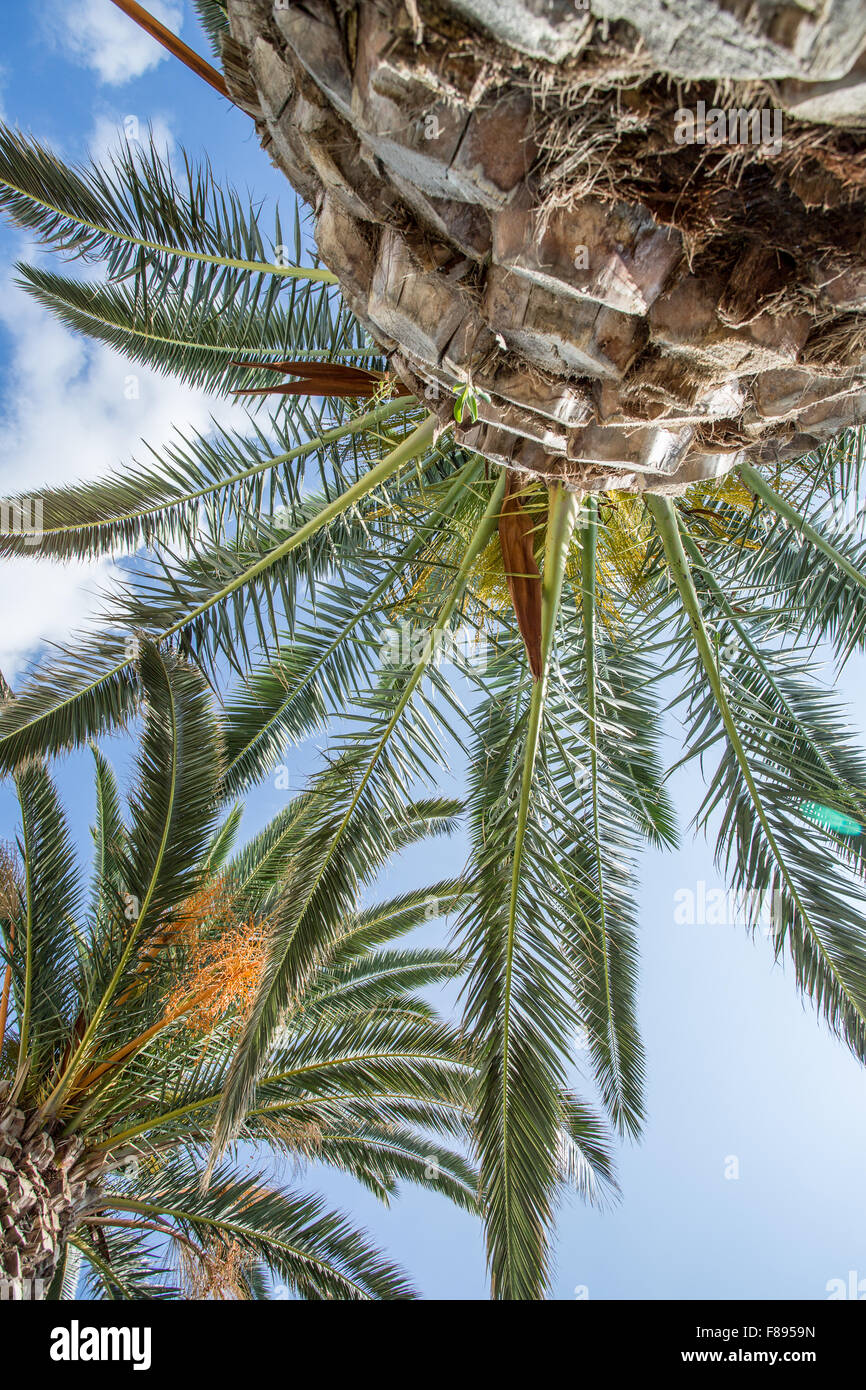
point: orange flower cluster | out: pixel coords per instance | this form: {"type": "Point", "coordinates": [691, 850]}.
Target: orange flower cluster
{"type": "Point", "coordinates": [223, 967]}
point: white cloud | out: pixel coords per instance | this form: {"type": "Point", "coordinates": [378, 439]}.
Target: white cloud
{"type": "Point", "coordinates": [44, 603]}
{"type": "Point", "coordinates": [99, 36]}
{"type": "Point", "coordinates": [111, 131]}
{"type": "Point", "coordinates": [71, 409]}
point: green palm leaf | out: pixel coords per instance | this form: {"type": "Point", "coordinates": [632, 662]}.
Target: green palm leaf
{"type": "Point", "coordinates": [817, 924]}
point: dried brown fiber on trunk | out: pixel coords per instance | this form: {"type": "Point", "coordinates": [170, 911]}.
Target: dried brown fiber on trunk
{"type": "Point", "coordinates": [502, 190]}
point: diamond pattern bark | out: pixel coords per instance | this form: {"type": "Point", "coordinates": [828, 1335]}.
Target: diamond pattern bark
{"type": "Point", "coordinates": [502, 193]}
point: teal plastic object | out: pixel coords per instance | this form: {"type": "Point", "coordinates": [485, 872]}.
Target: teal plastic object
{"type": "Point", "coordinates": [829, 819]}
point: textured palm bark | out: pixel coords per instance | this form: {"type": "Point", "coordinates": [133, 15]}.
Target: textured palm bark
{"type": "Point", "coordinates": [498, 186]}
{"type": "Point", "coordinates": [46, 1184]}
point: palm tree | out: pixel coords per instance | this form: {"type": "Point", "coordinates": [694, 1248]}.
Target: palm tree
{"type": "Point", "coordinates": [594, 610]}
{"type": "Point", "coordinates": [119, 1012]}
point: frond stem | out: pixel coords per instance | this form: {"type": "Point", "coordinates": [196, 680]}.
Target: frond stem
{"type": "Point", "coordinates": [761, 488]}
{"type": "Point", "coordinates": [175, 46]}
{"type": "Point", "coordinates": [664, 515]}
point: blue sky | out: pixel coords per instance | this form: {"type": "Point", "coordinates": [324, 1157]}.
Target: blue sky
{"type": "Point", "coordinates": [749, 1180]}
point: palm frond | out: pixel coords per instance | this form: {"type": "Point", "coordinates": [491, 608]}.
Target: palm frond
{"type": "Point", "coordinates": [135, 214]}
{"type": "Point", "coordinates": [213, 18]}
{"type": "Point", "coordinates": [518, 1004]}
{"type": "Point", "coordinates": [317, 1252]}
{"type": "Point", "coordinates": [43, 982]}
{"type": "Point", "coordinates": [760, 786]}
{"type": "Point", "coordinates": [194, 332]}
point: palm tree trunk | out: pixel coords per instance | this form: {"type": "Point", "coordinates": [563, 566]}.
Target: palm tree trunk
{"type": "Point", "coordinates": [41, 1196]}
{"type": "Point", "coordinates": [509, 198]}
